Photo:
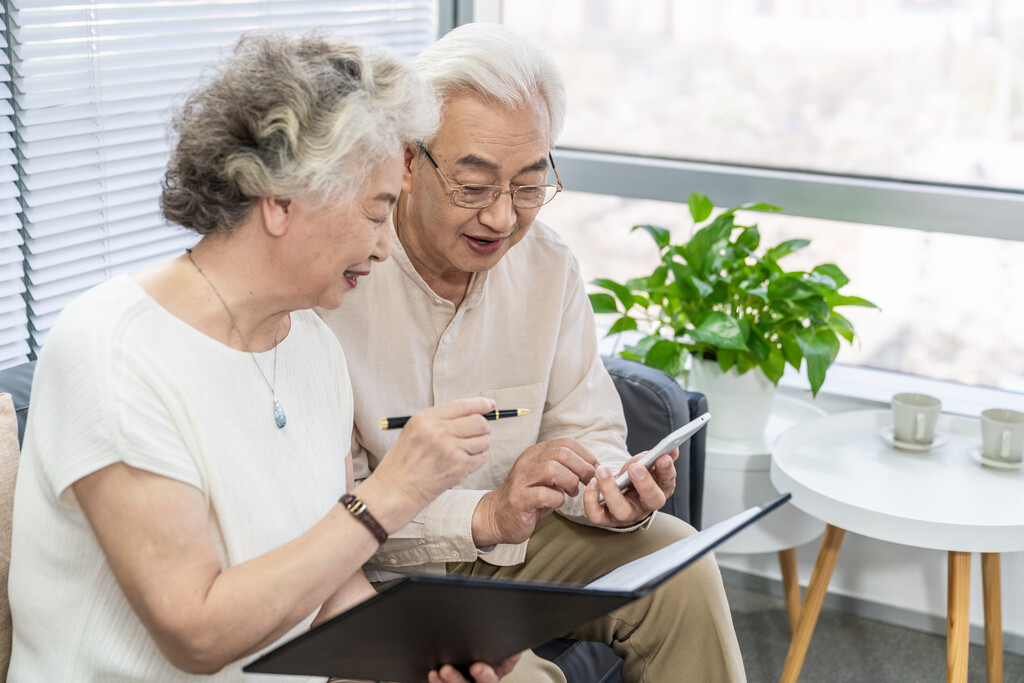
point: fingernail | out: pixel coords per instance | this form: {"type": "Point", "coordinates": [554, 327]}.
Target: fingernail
{"type": "Point", "coordinates": [603, 472]}
{"type": "Point", "coordinates": [592, 485]}
{"type": "Point", "coordinates": [664, 464]}
{"type": "Point", "coordinates": [636, 472]}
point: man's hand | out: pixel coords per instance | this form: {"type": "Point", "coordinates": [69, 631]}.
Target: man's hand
{"type": "Point", "coordinates": [536, 485]}
{"type": "Point", "coordinates": [647, 493]}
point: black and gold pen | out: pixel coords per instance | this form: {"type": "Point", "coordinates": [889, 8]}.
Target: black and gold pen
{"type": "Point", "coordinates": [399, 422]}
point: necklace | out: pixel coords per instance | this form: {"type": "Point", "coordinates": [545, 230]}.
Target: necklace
{"type": "Point", "coordinates": [280, 419]}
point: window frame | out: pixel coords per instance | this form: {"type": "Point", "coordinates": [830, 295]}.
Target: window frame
{"type": "Point", "coordinates": [918, 205]}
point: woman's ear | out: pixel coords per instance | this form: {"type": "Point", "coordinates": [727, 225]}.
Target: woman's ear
{"type": "Point", "coordinates": [277, 214]}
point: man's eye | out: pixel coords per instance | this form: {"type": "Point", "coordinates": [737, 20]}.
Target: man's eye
{"type": "Point", "coordinates": [530, 192]}
{"type": "Point", "coordinates": [476, 191]}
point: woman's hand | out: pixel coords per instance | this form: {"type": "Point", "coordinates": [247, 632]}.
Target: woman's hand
{"type": "Point", "coordinates": [438, 449]}
{"type": "Point", "coordinates": [480, 672]}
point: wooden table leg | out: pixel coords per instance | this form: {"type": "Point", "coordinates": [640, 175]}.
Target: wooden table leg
{"type": "Point", "coordinates": [991, 589]}
{"type": "Point", "coordinates": [790, 586]}
{"type": "Point", "coordinates": [958, 616]}
{"type": "Point", "coordinates": [820, 576]}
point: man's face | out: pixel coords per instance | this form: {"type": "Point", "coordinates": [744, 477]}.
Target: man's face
{"type": "Point", "coordinates": [480, 144]}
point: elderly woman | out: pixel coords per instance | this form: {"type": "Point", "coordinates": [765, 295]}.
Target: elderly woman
{"type": "Point", "coordinates": [178, 502]}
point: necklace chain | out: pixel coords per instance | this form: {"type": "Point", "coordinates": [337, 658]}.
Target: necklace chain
{"type": "Point", "coordinates": [279, 416]}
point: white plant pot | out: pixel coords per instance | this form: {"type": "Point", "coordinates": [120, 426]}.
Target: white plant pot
{"type": "Point", "coordinates": [740, 405]}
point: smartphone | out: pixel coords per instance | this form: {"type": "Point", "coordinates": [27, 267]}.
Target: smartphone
{"type": "Point", "coordinates": [666, 445]}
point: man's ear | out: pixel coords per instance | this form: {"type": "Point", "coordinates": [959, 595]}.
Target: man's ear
{"type": "Point", "coordinates": [277, 214]}
{"type": "Point", "coordinates": [411, 152]}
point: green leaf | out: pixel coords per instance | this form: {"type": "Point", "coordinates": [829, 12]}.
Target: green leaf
{"type": "Point", "coordinates": [843, 300]}
{"type": "Point", "coordinates": [721, 331]}
{"type": "Point", "coordinates": [749, 238]}
{"type": "Point", "coordinates": [820, 350]}
{"type": "Point", "coordinates": [791, 350]}
{"type": "Point", "coordinates": [841, 326]}
{"type": "Point", "coordinates": [702, 248]}
{"type": "Point", "coordinates": [700, 207]}
{"type": "Point", "coordinates": [621, 325]}
{"type": "Point", "coordinates": [789, 287]}
{"type": "Point", "coordinates": [824, 282]}
{"type": "Point", "coordinates": [774, 366]}
{"type": "Point", "coordinates": [760, 207]}
{"type": "Point", "coordinates": [758, 346]}
{"type": "Point", "coordinates": [786, 248]}
{"type": "Point", "coordinates": [726, 359]}
{"type": "Point", "coordinates": [661, 236]}
{"type": "Point", "coordinates": [688, 285]}
{"type": "Point", "coordinates": [666, 355]}
{"type": "Point", "coordinates": [745, 362]}
{"type": "Point", "coordinates": [833, 271]}
{"type": "Point", "coordinates": [641, 348]}
{"type": "Point", "coordinates": [621, 291]}
{"type": "Point", "coordinates": [603, 303]}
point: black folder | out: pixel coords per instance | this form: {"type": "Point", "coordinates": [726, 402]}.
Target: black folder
{"type": "Point", "coordinates": [423, 621]}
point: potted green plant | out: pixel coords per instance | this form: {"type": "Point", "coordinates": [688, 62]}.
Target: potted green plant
{"type": "Point", "coordinates": [724, 299]}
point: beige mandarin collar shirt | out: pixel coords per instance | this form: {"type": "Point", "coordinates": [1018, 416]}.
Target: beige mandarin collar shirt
{"type": "Point", "coordinates": [524, 336]}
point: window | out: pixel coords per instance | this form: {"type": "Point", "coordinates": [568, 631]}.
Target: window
{"type": "Point", "coordinates": [891, 130]}
{"type": "Point", "coordinates": [85, 125]}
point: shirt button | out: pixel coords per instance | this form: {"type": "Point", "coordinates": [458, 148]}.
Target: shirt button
{"type": "Point", "coordinates": [392, 560]}
{"type": "Point", "coordinates": [447, 338]}
{"type": "Point", "coordinates": [455, 555]}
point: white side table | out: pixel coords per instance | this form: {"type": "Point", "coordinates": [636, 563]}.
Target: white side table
{"type": "Point", "coordinates": [736, 477]}
{"type": "Point", "coordinates": [840, 470]}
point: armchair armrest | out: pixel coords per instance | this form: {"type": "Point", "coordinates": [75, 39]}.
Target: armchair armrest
{"type": "Point", "coordinates": [654, 405]}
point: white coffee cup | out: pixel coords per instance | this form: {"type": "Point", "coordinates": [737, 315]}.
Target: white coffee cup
{"type": "Point", "coordinates": [1002, 435]}
{"type": "Point", "coordinates": [914, 417]}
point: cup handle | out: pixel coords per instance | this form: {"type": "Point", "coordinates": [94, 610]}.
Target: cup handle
{"type": "Point", "coordinates": [919, 428]}
{"type": "Point", "coordinates": [1004, 448]}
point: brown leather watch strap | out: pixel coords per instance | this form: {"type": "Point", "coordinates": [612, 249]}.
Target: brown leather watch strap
{"type": "Point", "coordinates": [359, 511]}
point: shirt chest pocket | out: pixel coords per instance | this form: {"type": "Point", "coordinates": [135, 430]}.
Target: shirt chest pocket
{"type": "Point", "coordinates": [511, 436]}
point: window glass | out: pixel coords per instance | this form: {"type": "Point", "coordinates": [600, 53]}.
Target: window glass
{"type": "Point", "coordinates": [915, 89]}
{"type": "Point", "coordinates": [950, 304]}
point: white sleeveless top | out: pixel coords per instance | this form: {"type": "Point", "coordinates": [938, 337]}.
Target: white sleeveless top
{"type": "Point", "coordinates": [121, 379]}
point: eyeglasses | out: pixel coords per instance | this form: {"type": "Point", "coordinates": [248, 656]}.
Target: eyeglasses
{"type": "Point", "coordinates": [482, 196]}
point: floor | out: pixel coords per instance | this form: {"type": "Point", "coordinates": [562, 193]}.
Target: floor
{"type": "Point", "coordinates": [846, 648]}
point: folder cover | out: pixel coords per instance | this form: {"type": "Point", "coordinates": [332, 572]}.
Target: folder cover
{"type": "Point", "coordinates": [420, 622]}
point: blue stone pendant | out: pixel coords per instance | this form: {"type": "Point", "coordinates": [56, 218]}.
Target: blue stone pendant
{"type": "Point", "coordinates": [279, 417]}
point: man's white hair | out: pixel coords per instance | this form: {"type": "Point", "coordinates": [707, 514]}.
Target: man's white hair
{"type": "Point", "coordinates": [498, 65]}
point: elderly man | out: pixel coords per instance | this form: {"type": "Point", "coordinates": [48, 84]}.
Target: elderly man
{"type": "Point", "coordinates": [479, 298]}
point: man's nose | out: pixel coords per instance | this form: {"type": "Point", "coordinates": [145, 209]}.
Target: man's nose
{"type": "Point", "coordinates": [499, 216]}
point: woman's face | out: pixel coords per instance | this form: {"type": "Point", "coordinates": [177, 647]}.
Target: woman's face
{"type": "Point", "coordinates": [342, 240]}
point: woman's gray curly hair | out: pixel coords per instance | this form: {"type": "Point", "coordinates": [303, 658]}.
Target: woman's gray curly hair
{"type": "Point", "coordinates": [287, 116]}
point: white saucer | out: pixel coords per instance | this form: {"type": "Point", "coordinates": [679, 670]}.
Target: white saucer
{"type": "Point", "coordinates": [975, 453]}
{"type": "Point", "coordinates": [887, 435]}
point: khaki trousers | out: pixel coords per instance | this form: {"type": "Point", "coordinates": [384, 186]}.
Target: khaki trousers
{"type": "Point", "coordinates": [680, 632]}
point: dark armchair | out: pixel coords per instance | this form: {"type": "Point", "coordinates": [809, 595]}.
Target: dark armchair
{"type": "Point", "coordinates": [654, 405]}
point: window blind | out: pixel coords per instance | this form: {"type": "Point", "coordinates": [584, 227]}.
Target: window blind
{"type": "Point", "coordinates": [84, 133]}
{"type": "Point", "coordinates": [13, 319]}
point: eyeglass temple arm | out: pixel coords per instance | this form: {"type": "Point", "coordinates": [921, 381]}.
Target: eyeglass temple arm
{"type": "Point", "coordinates": [557, 178]}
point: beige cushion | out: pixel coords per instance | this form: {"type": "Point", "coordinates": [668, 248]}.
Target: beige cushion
{"type": "Point", "coordinates": [9, 452]}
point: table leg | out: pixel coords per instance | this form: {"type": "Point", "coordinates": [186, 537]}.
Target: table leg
{"type": "Point", "coordinates": [790, 586]}
{"type": "Point", "coordinates": [991, 581]}
{"type": "Point", "coordinates": [958, 616]}
{"type": "Point", "coordinates": [820, 576]}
